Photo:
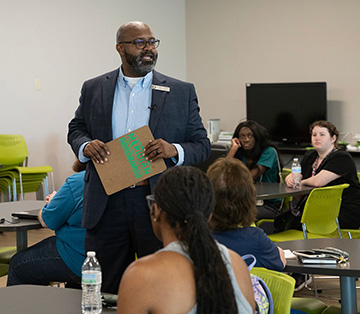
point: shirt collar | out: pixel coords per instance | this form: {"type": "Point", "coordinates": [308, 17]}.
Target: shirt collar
{"type": "Point", "coordinates": [144, 81]}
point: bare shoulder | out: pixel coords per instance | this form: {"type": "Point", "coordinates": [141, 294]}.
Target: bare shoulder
{"type": "Point", "coordinates": [237, 261]}
{"type": "Point", "coordinates": [139, 279]}
{"type": "Point", "coordinates": [152, 277]}
{"type": "Point", "coordinates": [144, 268]}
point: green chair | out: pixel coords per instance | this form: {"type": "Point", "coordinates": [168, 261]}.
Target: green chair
{"type": "Point", "coordinates": [14, 158]}
{"type": "Point", "coordinates": [287, 200]}
{"type": "Point", "coordinates": [333, 310]}
{"type": "Point", "coordinates": [6, 253]}
{"type": "Point", "coordinates": [351, 233]}
{"type": "Point", "coordinates": [5, 187]}
{"type": "Point", "coordinates": [285, 172]}
{"type": "Point", "coordinates": [268, 224]}
{"type": "Point", "coordinates": [308, 305]}
{"type": "Point", "coordinates": [4, 270]}
{"type": "Point", "coordinates": [320, 215]}
{"type": "Point", "coordinates": [261, 221]}
{"type": "Point", "coordinates": [281, 287]}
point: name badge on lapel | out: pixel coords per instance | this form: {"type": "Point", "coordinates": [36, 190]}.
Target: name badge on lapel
{"type": "Point", "coordinates": [160, 88]}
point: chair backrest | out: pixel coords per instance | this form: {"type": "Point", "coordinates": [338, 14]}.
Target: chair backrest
{"type": "Point", "coordinates": [322, 209]}
{"type": "Point", "coordinates": [285, 172]}
{"type": "Point", "coordinates": [13, 150]}
{"type": "Point", "coordinates": [281, 180]}
{"type": "Point", "coordinates": [217, 151]}
{"type": "Point", "coordinates": [281, 287]}
{"type": "Point", "coordinates": [4, 269]}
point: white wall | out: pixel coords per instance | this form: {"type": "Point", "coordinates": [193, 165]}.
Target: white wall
{"type": "Point", "coordinates": [234, 42]}
{"type": "Point", "coordinates": [63, 43]}
{"type": "Point", "coordinates": [228, 43]}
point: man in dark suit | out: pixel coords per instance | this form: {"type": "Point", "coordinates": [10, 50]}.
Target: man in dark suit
{"type": "Point", "coordinates": [111, 105]}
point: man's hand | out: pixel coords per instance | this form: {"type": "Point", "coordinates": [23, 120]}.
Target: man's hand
{"type": "Point", "coordinates": [97, 151]}
{"type": "Point", "coordinates": [159, 149]}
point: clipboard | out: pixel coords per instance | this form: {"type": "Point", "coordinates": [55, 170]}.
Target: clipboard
{"type": "Point", "coordinates": [126, 165]}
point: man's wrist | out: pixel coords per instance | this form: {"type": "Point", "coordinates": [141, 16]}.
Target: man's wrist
{"type": "Point", "coordinates": [86, 144]}
{"type": "Point", "coordinates": [179, 158]}
{"type": "Point", "coordinates": [81, 156]}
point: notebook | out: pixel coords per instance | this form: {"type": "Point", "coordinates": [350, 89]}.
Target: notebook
{"type": "Point", "coordinates": [29, 214]}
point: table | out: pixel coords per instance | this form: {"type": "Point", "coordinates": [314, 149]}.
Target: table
{"type": "Point", "coordinates": [30, 299]}
{"type": "Point", "coordinates": [266, 191]}
{"type": "Point", "coordinates": [348, 272]}
{"type": "Point", "coordinates": [24, 225]}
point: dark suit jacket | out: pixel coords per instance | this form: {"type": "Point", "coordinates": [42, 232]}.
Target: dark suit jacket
{"type": "Point", "coordinates": [176, 119]}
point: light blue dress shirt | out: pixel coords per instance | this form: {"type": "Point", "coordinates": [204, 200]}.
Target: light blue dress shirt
{"type": "Point", "coordinates": [131, 109]}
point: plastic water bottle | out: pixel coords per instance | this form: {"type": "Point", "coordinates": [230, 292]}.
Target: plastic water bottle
{"type": "Point", "coordinates": [296, 173]}
{"type": "Point", "coordinates": [91, 285]}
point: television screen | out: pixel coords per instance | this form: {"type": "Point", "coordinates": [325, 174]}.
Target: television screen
{"type": "Point", "coordinates": [287, 109]}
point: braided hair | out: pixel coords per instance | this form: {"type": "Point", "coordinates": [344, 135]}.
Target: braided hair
{"type": "Point", "coordinates": [186, 196]}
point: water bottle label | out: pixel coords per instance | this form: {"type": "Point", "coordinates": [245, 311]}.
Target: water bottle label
{"type": "Point", "coordinates": [296, 170]}
{"type": "Point", "coordinates": [91, 278]}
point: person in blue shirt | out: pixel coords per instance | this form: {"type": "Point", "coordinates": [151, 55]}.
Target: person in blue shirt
{"type": "Point", "coordinates": [235, 211]}
{"type": "Point", "coordinates": [251, 144]}
{"type": "Point", "coordinates": [60, 257]}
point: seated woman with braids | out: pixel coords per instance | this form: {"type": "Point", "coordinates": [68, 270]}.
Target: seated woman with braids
{"type": "Point", "coordinates": [192, 273]}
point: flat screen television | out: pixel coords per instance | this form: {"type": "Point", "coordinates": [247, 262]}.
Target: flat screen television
{"type": "Point", "coordinates": [287, 109]}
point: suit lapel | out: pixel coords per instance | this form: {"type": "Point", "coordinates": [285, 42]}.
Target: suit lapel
{"type": "Point", "coordinates": [108, 91]}
{"type": "Point", "coordinates": [157, 101]}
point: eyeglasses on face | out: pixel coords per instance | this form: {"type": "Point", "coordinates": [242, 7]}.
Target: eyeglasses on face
{"type": "Point", "coordinates": [150, 199]}
{"type": "Point", "coordinates": [140, 43]}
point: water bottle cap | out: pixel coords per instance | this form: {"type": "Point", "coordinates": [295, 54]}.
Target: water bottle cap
{"type": "Point", "coordinates": [91, 253]}
{"type": "Point", "coordinates": [296, 159]}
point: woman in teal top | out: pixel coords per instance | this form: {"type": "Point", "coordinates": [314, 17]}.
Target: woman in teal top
{"type": "Point", "coordinates": [60, 257]}
{"type": "Point", "coordinates": [251, 144]}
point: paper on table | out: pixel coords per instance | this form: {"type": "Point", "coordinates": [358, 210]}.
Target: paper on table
{"type": "Point", "coordinates": [289, 254]}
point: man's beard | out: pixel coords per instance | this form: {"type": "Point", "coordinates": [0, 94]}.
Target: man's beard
{"type": "Point", "coordinates": [140, 67]}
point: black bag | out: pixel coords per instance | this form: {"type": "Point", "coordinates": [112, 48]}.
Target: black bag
{"type": "Point", "coordinates": [290, 219]}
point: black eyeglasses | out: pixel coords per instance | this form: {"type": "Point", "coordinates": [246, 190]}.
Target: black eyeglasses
{"type": "Point", "coordinates": [141, 43]}
{"type": "Point", "coordinates": [150, 201]}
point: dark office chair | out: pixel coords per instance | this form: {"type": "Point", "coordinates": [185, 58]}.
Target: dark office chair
{"type": "Point", "coordinates": [217, 151]}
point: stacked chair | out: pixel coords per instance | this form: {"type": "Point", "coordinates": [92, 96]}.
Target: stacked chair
{"type": "Point", "coordinates": [17, 178]}
{"type": "Point", "coordinates": [15, 175]}
{"type": "Point", "coordinates": [5, 187]}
